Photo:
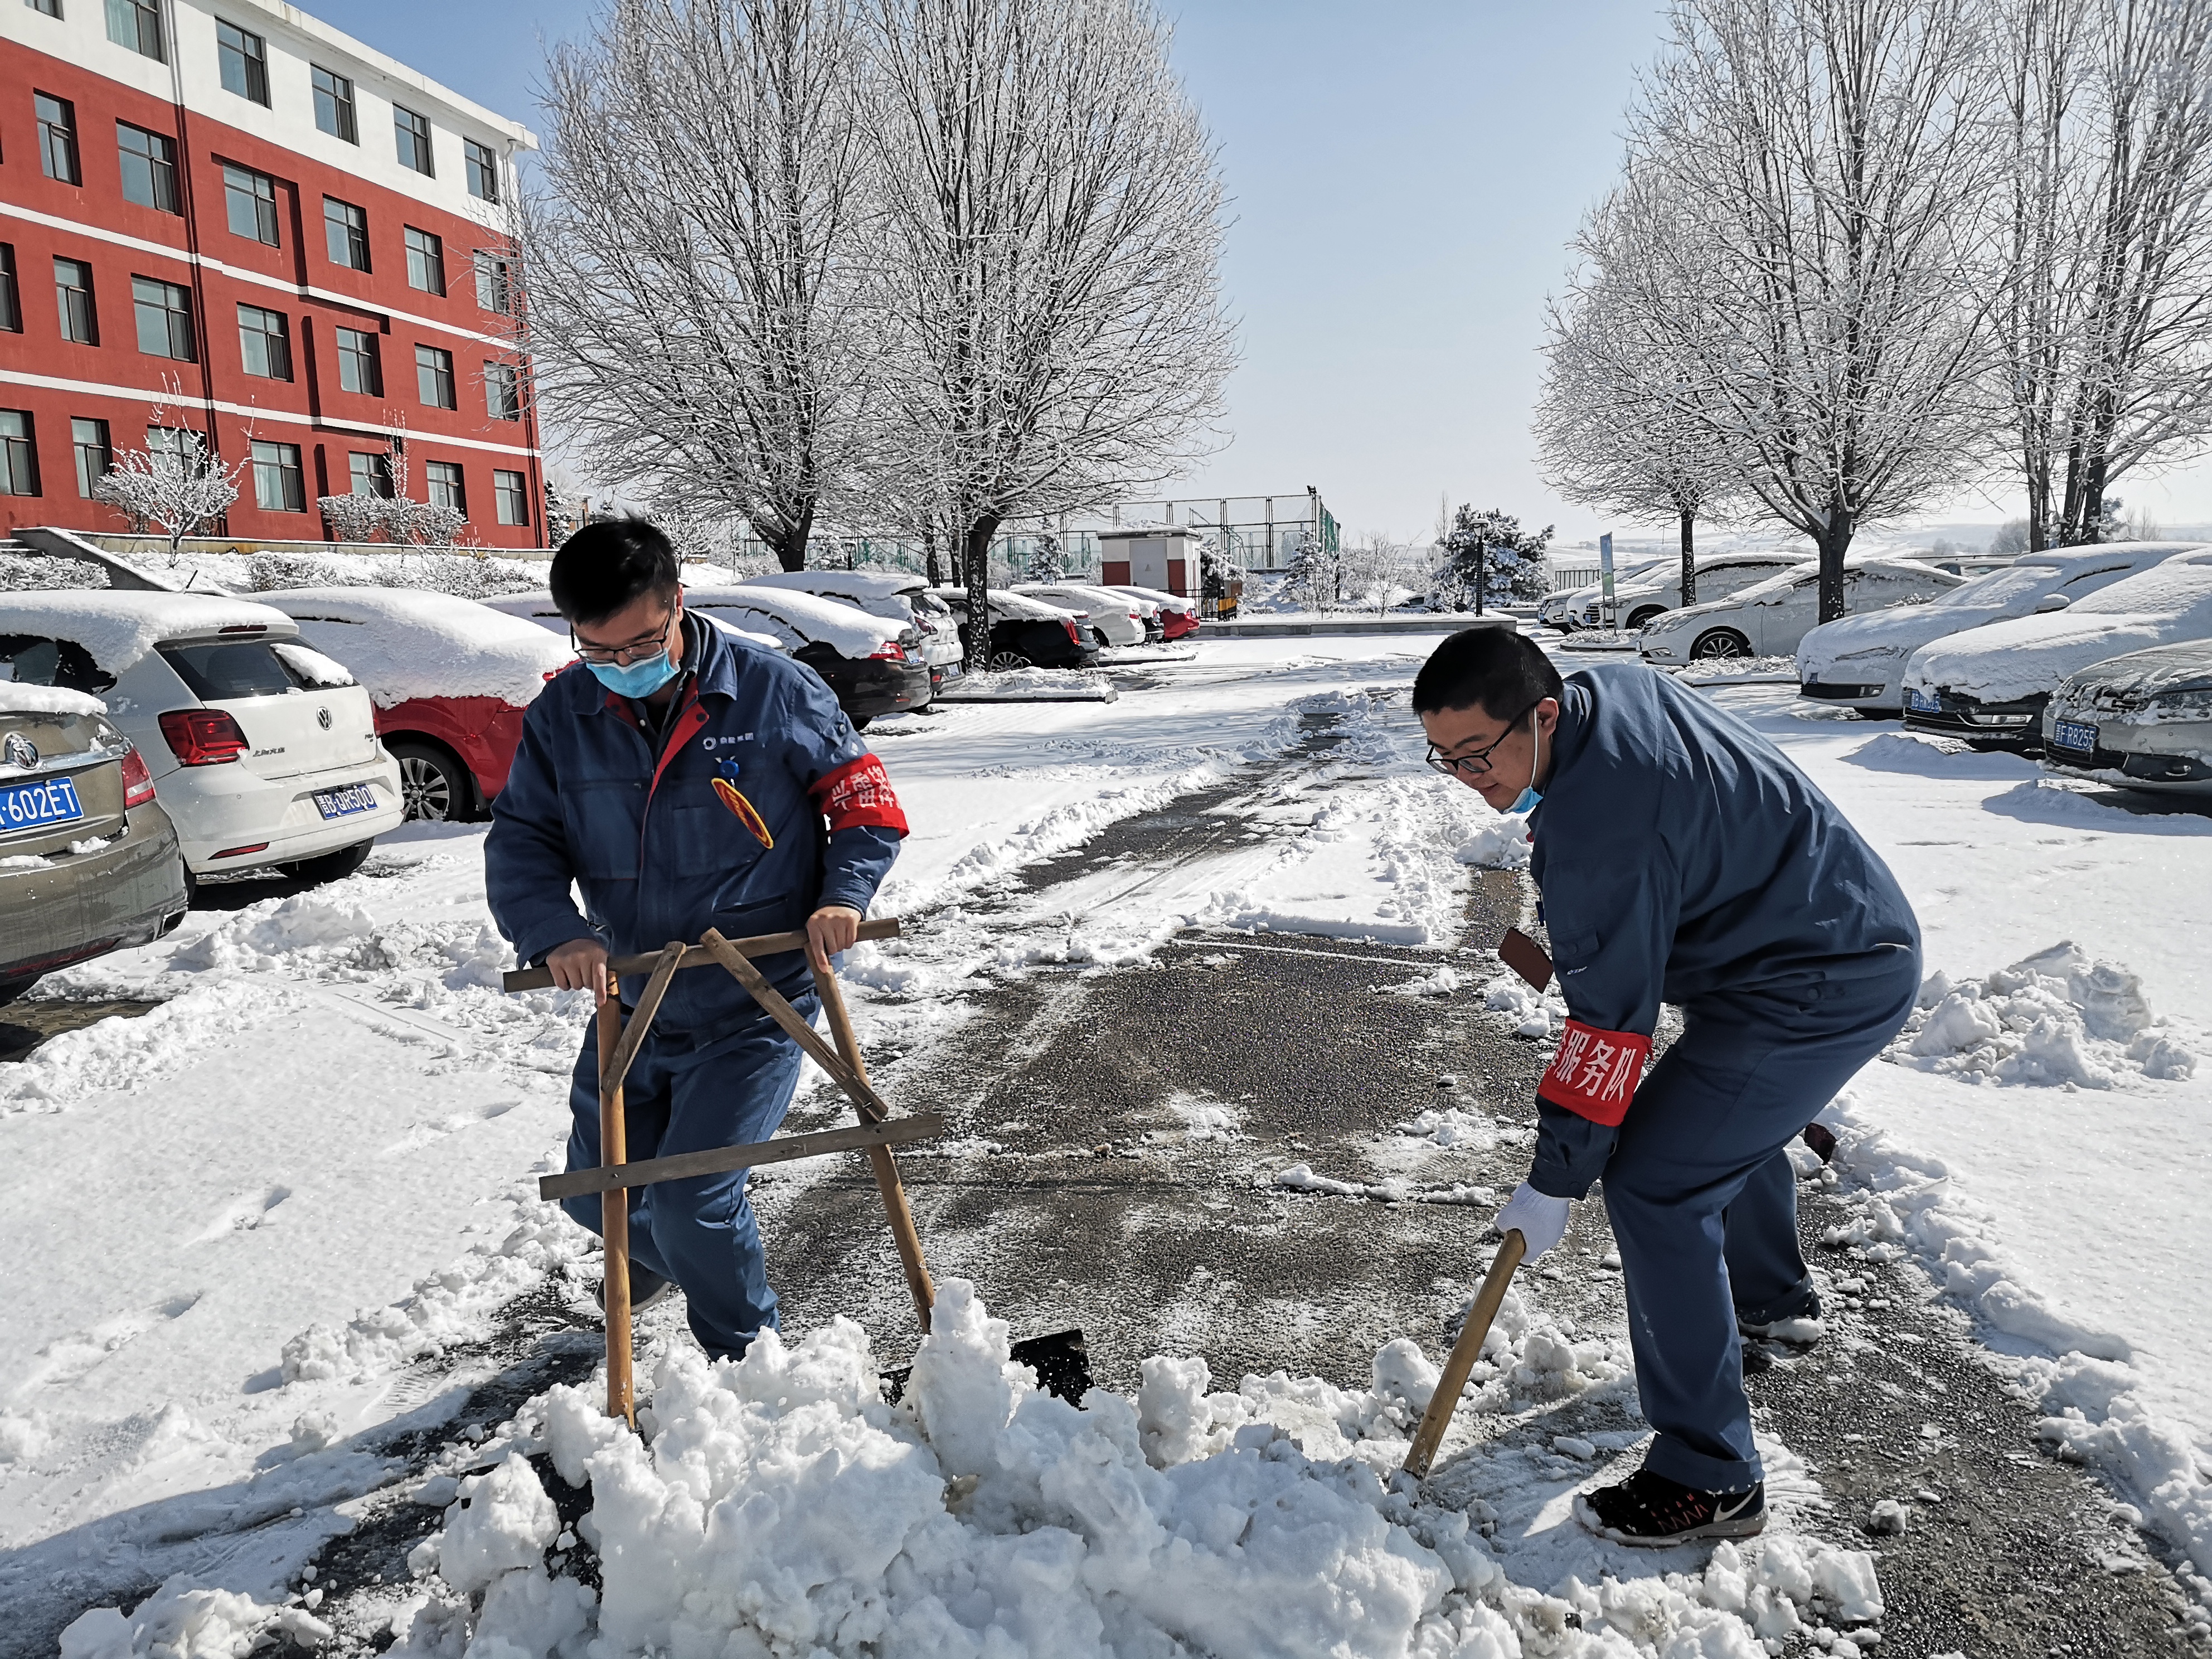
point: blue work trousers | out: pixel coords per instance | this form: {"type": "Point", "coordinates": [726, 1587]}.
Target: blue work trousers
{"type": "Point", "coordinates": [684, 1094]}
{"type": "Point", "coordinates": [1704, 1202]}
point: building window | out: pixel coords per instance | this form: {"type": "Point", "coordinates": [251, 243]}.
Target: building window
{"type": "Point", "coordinates": [502, 392]}
{"type": "Point", "coordinates": [278, 486]}
{"type": "Point", "coordinates": [358, 368]}
{"type": "Point", "coordinates": [137, 24]}
{"type": "Point", "coordinates": [371, 473]}
{"type": "Point", "coordinates": [426, 261]}
{"type": "Point", "coordinates": [442, 479]}
{"type": "Point", "coordinates": [19, 454]}
{"type": "Point", "coordinates": [11, 297]}
{"type": "Point", "coordinates": [149, 166]}
{"type": "Point", "coordinates": [57, 137]}
{"type": "Point", "coordinates": [494, 283]}
{"type": "Point", "coordinates": [165, 318]}
{"type": "Point", "coordinates": [513, 491]}
{"type": "Point", "coordinates": [347, 227]}
{"type": "Point", "coordinates": [73, 304]}
{"type": "Point", "coordinates": [433, 376]}
{"type": "Point", "coordinates": [483, 168]}
{"type": "Point", "coordinates": [265, 342]}
{"type": "Point", "coordinates": [94, 454]}
{"type": "Point", "coordinates": [334, 105]}
{"type": "Point", "coordinates": [245, 61]}
{"type": "Point", "coordinates": [251, 200]}
{"type": "Point", "coordinates": [47, 8]}
{"type": "Point", "coordinates": [413, 132]}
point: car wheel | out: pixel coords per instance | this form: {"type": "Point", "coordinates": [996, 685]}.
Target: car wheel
{"type": "Point", "coordinates": [1720, 642]}
{"type": "Point", "coordinates": [330, 866]}
{"type": "Point", "coordinates": [1006, 662]}
{"type": "Point", "coordinates": [435, 787]}
{"type": "Point", "coordinates": [1637, 618]}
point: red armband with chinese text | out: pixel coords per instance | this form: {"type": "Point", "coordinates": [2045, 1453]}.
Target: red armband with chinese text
{"type": "Point", "coordinates": [1595, 1072]}
{"type": "Point", "coordinates": [858, 793]}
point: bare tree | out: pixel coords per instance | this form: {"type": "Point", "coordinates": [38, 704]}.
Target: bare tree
{"type": "Point", "coordinates": [2105, 268]}
{"type": "Point", "coordinates": [1620, 419]}
{"type": "Point", "coordinates": [177, 485]}
{"type": "Point", "coordinates": [1050, 217]}
{"type": "Point", "coordinates": [1374, 566]}
{"type": "Point", "coordinates": [689, 300]}
{"type": "Point", "coordinates": [1837, 158]}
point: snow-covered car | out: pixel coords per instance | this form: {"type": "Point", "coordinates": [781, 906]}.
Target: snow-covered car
{"type": "Point", "coordinates": [264, 750]}
{"type": "Point", "coordinates": [1861, 659]}
{"type": "Point", "coordinates": [873, 663]}
{"type": "Point", "coordinates": [538, 610]}
{"type": "Point", "coordinates": [1564, 610]}
{"type": "Point", "coordinates": [1769, 618]}
{"type": "Point", "coordinates": [88, 860]}
{"type": "Point", "coordinates": [1178, 615]}
{"type": "Point", "coordinates": [1658, 587]}
{"type": "Point", "coordinates": [896, 596]}
{"type": "Point", "coordinates": [1989, 684]}
{"type": "Point", "coordinates": [1115, 615]}
{"type": "Point", "coordinates": [449, 678]}
{"type": "Point", "coordinates": [2143, 721]}
{"type": "Point", "coordinates": [1027, 633]}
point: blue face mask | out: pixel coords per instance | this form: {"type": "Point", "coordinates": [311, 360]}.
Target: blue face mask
{"type": "Point", "coordinates": [640, 679]}
{"type": "Point", "coordinates": [1528, 799]}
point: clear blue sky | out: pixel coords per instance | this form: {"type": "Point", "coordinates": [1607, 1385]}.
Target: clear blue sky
{"type": "Point", "coordinates": [1405, 175]}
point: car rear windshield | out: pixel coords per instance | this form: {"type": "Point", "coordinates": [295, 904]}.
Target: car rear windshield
{"type": "Point", "coordinates": [219, 669]}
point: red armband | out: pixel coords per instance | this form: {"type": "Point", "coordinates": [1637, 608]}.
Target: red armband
{"type": "Point", "coordinates": [1595, 1072]}
{"type": "Point", "coordinates": [858, 793]}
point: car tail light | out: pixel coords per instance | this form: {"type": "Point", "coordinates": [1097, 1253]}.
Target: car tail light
{"type": "Point", "coordinates": [889, 650]}
{"type": "Point", "coordinates": [203, 737]}
{"type": "Point", "coordinates": [244, 628]}
{"type": "Point", "coordinates": [1074, 638]}
{"type": "Point", "coordinates": [137, 780]}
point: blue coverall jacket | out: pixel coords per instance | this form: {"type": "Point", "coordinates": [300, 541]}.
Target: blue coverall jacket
{"type": "Point", "coordinates": [1683, 859]}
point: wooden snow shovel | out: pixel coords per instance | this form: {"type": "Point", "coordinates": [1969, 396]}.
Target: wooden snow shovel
{"type": "Point", "coordinates": [1464, 1353]}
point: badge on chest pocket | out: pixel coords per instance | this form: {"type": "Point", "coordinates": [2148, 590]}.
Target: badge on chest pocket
{"type": "Point", "coordinates": [726, 790]}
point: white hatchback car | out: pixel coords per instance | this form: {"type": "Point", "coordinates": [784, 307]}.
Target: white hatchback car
{"type": "Point", "coordinates": [264, 752]}
{"type": "Point", "coordinates": [1861, 660]}
{"type": "Point", "coordinates": [1115, 614]}
{"type": "Point", "coordinates": [1769, 618]}
{"type": "Point", "coordinates": [1643, 594]}
{"type": "Point", "coordinates": [896, 596]}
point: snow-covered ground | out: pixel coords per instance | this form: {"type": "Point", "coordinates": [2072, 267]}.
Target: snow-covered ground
{"type": "Point", "coordinates": [247, 1214]}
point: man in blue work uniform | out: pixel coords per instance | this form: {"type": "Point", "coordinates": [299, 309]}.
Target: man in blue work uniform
{"type": "Point", "coordinates": [1681, 858]}
{"type": "Point", "coordinates": [683, 779]}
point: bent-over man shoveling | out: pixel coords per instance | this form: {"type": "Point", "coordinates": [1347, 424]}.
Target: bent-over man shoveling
{"type": "Point", "coordinates": [1679, 858]}
{"type": "Point", "coordinates": [683, 779]}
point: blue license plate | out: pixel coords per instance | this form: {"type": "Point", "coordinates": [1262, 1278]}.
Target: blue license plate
{"type": "Point", "coordinates": [344, 802]}
{"type": "Point", "coordinates": [28, 805]}
{"type": "Point", "coordinates": [1925, 702]}
{"type": "Point", "coordinates": [950, 671]}
{"type": "Point", "coordinates": [2074, 735]}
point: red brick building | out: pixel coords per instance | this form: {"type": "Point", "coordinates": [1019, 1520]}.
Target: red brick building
{"type": "Point", "coordinates": [286, 239]}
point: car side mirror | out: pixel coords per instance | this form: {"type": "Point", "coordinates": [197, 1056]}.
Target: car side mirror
{"type": "Point", "coordinates": [2050, 602]}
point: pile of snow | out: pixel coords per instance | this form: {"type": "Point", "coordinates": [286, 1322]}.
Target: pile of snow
{"type": "Point", "coordinates": [125, 1053]}
{"type": "Point", "coordinates": [1391, 1189]}
{"type": "Point", "coordinates": [24, 699]}
{"type": "Point", "coordinates": [1498, 843]}
{"type": "Point", "coordinates": [2055, 1018]}
{"type": "Point", "coordinates": [1031, 686]}
{"type": "Point", "coordinates": [116, 628]}
{"type": "Point", "coordinates": [403, 644]}
{"type": "Point", "coordinates": [1440, 981]}
{"type": "Point", "coordinates": [1531, 1012]}
{"type": "Point", "coordinates": [22, 571]}
{"type": "Point", "coordinates": [1469, 1129]}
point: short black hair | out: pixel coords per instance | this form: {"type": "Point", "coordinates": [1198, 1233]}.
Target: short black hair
{"type": "Point", "coordinates": [607, 564]}
{"type": "Point", "coordinates": [1501, 669]}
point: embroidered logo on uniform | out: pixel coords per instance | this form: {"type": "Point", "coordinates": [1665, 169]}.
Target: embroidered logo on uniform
{"type": "Point", "coordinates": [1594, 1073]}
{"type": "Point", "coordinates": [726, 790]}
{"type": "Point", "coordinates": [858, 793]}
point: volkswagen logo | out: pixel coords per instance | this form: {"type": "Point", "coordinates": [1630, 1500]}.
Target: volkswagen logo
{"type": "Point", "coordinates": [19, 750]}
{"type": "Point", "coordinates": [323, 719]}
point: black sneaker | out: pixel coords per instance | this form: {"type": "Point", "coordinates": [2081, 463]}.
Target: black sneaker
{"type": "Point", "coordinates": [1649, 1511]}
{"type": "Point", "coordinates": [645, 1289]}
{"type": "Point", "coordinates": [1801, 1329]}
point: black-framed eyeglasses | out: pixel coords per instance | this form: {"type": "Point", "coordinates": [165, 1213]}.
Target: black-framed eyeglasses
{"type": "Point", "coordinates": [626, 656]}
{"type": "Point", "coordinates": [1477, 764]}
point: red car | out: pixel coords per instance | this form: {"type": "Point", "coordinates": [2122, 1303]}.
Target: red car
{"type": "Point", "coordinates": [449, 678]}
{"type": "Point", "coordinates": [1178, 615]}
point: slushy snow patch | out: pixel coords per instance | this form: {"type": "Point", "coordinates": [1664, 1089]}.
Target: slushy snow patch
{"type": "Point", "coordinates": [2056, 1018]}
{"type": "Point", "coordinates": [1532, 1013]}
{"type": "Point", "coordinates": [1500, 843]}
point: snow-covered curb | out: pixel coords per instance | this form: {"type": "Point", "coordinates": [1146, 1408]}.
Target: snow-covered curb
{"type": "Point", "coordinates": [1030, 685]}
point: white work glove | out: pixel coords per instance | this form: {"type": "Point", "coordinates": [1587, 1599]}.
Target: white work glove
{"type": "Point", "coordinates": [1538, 1219]}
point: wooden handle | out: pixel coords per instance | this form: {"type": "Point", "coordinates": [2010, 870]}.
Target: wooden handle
{"type": "Point", "coordinates": [762, 945]}
{"type": "Point", "coordinates": [888, 1184]}
{"type": "Point", "coordinates": [614, 1218]}
{"type": "Point", "coordinates": [1464, 1353]}
{"type": "Point", "coordinates": [719, 1160]}
{"type": "Point", "coordinates": [855, 1086]}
